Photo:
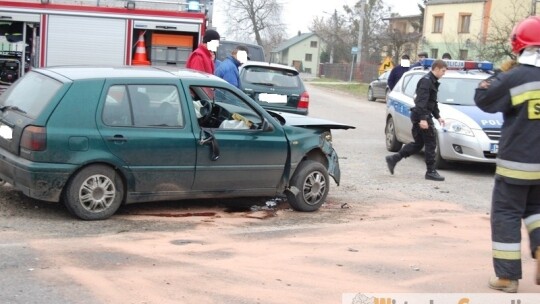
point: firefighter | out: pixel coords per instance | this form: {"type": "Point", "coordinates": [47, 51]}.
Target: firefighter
{"type": "Point", "coordinates": [516, 193]}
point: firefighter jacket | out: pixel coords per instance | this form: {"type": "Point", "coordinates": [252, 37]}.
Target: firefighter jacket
{"type": "Point", "coordinates": [516, 93]}
{"type": "Point", "coordinates": [426, 99]}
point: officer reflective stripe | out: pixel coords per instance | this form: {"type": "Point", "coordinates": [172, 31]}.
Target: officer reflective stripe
{"type": "Point", "coordinates": [532, 222]}
{"type": "Point", "coordinates": [506, 251]}
{"type": "Point", "coordinates": [518, 170]}
{"type": "Point", "coordinates": [524, 92]}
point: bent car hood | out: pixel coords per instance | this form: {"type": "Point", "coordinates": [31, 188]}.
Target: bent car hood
{"type": "Point", "coordinates": [296, 120]}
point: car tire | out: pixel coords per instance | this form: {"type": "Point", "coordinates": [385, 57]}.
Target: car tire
{"type": "Point", "coordinates": [94, 193]}
{"type": "Point", "coordinates": [370, 95]}
{"type": "Point", "coordinates": [309, 186]}
{"type": "Point", "coordinates": [440, 163]}
{"type": "Point", "coordinates": [392, 143]}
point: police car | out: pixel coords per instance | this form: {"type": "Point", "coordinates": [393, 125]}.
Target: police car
{"type": "Point", "coordinates": [469, 134]}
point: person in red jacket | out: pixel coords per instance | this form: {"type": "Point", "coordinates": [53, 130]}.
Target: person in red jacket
{"type": "Point", "coordinates": [201, 58]}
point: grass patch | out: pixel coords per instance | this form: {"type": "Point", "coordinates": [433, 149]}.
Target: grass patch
{"type": "Point", "coordinates": [355, 88]}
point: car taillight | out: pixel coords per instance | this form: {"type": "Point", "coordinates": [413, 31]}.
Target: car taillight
{"type": "Point", "coordinates": [304, 101]}
{"type": "Point", "coordinates": [34, 138]}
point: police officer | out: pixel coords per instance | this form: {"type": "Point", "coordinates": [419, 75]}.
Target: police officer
{"type": "Point", "coordinates": [423, 130]}
{"type": "Point", "coordinates": [516, 193]}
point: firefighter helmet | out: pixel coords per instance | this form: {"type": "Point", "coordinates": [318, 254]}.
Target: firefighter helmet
{"type": "Point", "coordinates": [525, 34]}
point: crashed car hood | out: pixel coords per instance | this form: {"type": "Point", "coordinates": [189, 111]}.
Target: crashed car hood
{"type": "Point", "coordinates": [309, 122]}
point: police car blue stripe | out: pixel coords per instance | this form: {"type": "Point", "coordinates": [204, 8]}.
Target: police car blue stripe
{"type": "Point", "coordinates": [399, 107]}
{"type": "Point", "coordinates": [483, 119]}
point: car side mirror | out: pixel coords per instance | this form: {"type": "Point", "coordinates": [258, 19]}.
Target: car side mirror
{"type": "Point", "coordinates": [267, 126]}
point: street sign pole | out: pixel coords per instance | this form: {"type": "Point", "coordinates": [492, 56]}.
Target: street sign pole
{"type": "Point", "coordinates": [354, 51]}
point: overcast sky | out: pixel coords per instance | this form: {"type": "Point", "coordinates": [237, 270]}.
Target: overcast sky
{"type": "Point", "coordinates": [298, 14]}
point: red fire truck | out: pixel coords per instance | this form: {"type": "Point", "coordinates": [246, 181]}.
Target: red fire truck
{"type": "Point", "coordinates": [39, 33]}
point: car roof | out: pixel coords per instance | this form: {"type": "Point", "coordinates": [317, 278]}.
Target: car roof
{"type": "Point", "coordinates": [269, 65]}
{"type": "Point", "coordinates": [89, 72]}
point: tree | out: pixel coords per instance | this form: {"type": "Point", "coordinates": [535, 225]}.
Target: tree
{"type": "Point", "coordinates": [258, 19]}
{"type": "Point", "coordinates": [334, 32]}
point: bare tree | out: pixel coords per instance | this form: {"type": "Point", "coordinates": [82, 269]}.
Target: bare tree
{"type": "Point", "coordinates": [258, 19]}
{"type": "Point", "coordinates": [334, 31]}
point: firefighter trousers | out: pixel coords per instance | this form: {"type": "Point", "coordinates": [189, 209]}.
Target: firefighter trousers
{"type": "Point", "coordinates": [510, 205]}
{"type": "Point", "coordinates": [422, 137]}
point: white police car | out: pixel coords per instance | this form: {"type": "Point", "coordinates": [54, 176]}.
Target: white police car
{"type": "Point", "coordinates": [469, 134]}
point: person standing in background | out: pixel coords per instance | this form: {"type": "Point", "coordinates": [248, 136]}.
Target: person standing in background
{"type": "Point", "coordinates": [398, 71]}
{"type": "Point", "coordinates": [201, 58]}
{"type": "Point", "coordinates": [228, 68]}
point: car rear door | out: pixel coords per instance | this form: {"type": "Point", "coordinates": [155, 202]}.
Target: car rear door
{"type": "Point", "coordinates": [144, 124]}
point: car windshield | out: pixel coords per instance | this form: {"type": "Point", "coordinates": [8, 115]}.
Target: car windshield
{"type": "Point", "coordinates": [30, 94]}
{"type": "Point", "coordinates": [271, 77]}
{"type": "Point", "coordinates": [457, 91]}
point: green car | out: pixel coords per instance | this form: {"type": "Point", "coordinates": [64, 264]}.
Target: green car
{"type": "Point", "coordinates": [95, 138]}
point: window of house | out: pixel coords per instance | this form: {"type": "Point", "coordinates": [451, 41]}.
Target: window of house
{"type": "Point", "coordinates": [434, 53]}
{"type": "Point", "coordinates": [464, 23]}
{"type": "Point", "coordinates": [309, 57]}
{"type": "Point", "coordinates": [313, 44]}
{"type": "Point", "coordinates": [463, 54]}
{"type": "Point", "coordinates": [438, 23]}
{"type": "Point", "coordinates": [307, 70]}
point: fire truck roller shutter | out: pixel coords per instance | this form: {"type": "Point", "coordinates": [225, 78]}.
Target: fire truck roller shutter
{"type": "Point", "coordinates": [85, 40]}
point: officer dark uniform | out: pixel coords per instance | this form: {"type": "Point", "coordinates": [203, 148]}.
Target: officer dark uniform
{"type": "Point", "coordinates": [516, 193]}
{"type": "Point", "coordinates": [423, 129]}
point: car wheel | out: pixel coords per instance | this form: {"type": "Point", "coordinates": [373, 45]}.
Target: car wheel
{"type": "Point", "coordinates": [94, 193]}
{"type": "Point", "coordinates": [440, 163]}
{"type": "Point", "coordinates": [309, 186]}
{"type": "Point", "coordinates": [392, 143]}
{"type": "Point", "coordinates": [370, 95]}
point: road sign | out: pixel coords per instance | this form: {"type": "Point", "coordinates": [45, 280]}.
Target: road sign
{"type": "Point", "coordinates": [354, 50]}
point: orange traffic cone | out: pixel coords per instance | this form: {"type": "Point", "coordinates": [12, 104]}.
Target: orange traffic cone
{"type": "Point", "coordinates": [140, 57]}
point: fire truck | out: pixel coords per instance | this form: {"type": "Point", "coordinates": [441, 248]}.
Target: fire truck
{"type": "Point", "coordinates": [40, 33]}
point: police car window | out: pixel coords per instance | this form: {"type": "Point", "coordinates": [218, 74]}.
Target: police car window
{"type": "Point", "coordinates": [410, 82]}
{"type": "Point", "coordinates": [457, 91]}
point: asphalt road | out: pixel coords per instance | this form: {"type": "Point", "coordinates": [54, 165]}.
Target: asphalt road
{"type": "Point", "coordinates": [217, 252]}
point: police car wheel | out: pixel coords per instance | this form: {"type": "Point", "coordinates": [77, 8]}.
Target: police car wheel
{"type": "Point", "coordinates": [370, 95]}
{"type": "Point", "coordinates": [392, 143]}
{"type": "Point", "coordinates": [440, 163]}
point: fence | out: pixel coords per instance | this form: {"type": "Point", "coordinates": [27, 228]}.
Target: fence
{"type": "Point", "coordinates": [366, 72]}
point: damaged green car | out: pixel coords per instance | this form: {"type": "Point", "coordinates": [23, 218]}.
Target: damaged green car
{"type": "Point", "coordinates": [95, 138]}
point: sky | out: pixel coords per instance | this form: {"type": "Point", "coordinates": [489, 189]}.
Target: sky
{"type": "Point", "coordinates": [298, 14]}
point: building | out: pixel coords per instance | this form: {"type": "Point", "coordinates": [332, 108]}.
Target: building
{"type": "Point", "coordinates": [302, 51]}
{"type": "Point", "coordinates": [405, 34]}
{"type": "Point", "coordinates": [466, 28]}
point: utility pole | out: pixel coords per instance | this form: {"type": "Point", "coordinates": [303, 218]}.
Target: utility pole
{"type": "Point", "coordinates": [361, 30]}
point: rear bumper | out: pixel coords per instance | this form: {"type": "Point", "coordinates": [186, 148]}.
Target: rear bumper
{"type": "Point", "coordinates": [42, 181]}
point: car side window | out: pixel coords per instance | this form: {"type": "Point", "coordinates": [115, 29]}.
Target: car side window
{"type": "Point", "coordinates": [221, 108]}
{"type": "Point", "coordinates": [143, 106]}
{"type": "Point", "coordinates": [409, 83]}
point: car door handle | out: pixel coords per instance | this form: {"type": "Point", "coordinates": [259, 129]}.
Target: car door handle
{"type": "Point", "coordinates": [117, 138]}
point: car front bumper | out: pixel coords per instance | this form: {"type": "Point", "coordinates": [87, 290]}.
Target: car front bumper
{"type": "Point", "coordinates": [457, 147]}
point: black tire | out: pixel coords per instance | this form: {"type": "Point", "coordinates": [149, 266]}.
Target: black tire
{"type": "Point", "coordinates": [392, 143]}
{"type": "Point", "coordinates": [310, 185]}
{"type": "Point", "coordinates": [94, 193]}
{"type": "Point", "coordinates": [440, 163]}
{"type": "Point", "coordinates": [370, 95]}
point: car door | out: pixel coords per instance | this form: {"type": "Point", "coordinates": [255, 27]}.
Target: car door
{"type": "Point", "coordinates": [251, 156]}
{"type": "Point", "coordinates": [144, 125]}
{"type": "Point", "coordinates": [379, 87]}
{"type": "Point", "coordinates": [403, 103]}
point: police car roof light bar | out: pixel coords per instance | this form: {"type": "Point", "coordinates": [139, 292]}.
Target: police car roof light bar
{"type": "Point", "coordinates": [462, 64]}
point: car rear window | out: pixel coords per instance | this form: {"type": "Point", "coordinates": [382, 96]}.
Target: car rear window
{"type": "Point", "coordinates": [30, 94]}
{"type": "Point", "coordinates": [271, 77]}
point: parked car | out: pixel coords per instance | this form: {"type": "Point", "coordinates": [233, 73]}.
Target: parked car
{"type": "Point", "coordinates": [275, 87]}
{"type": "Point", "coordinates": [255, 52]}
{"type": "Point", "coordinates": [378, 88]}
{"type": "Point", "coordinates": [469, 134]}
{"type": "Point", "coordinates": [99, 137]}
